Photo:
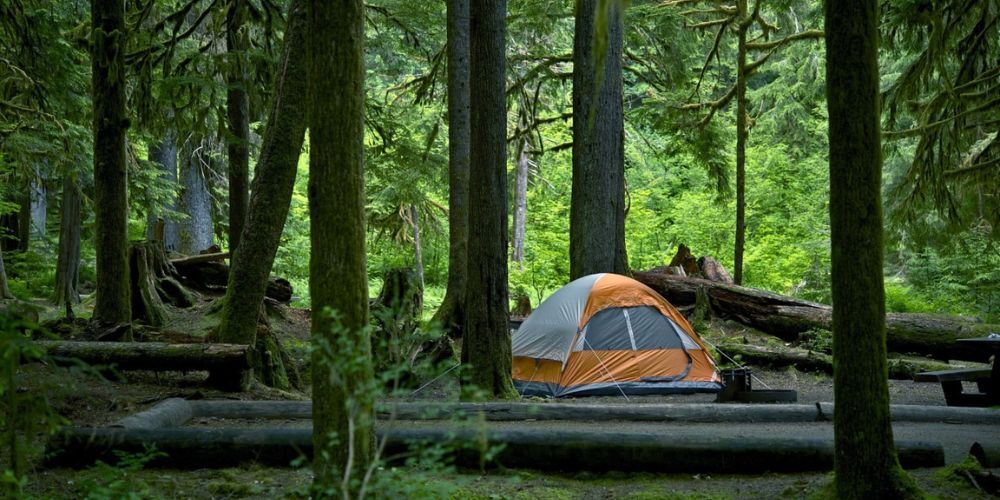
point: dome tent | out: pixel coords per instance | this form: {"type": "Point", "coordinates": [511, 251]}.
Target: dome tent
{"type": "Point", "coordinates": [606, 334]}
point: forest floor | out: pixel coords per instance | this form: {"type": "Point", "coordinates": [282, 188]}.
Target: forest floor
{"type": "Point", "coordinates": [88, 401]}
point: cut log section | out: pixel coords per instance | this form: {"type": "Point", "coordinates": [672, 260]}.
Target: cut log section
{"type": "Point", "coordinates": [987, 453]}
{"type": "Point", "coordinates": [810, 361]}
{"type": "Point", "coordinates": [787, 317]}
{"type": "Point", "coordinates": [545, 449]}
{"type": "Point", "coordinates": [155, 356]}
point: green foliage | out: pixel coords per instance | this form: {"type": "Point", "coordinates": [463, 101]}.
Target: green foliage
{"type": "Point", "coordinates": [677, 169]}
{"type": "Point", "coordinates": [24, 415]}
{"type": "Point", "coordinates": [817, 340]}
{"type": "Point", "coordinates": [118, 481]}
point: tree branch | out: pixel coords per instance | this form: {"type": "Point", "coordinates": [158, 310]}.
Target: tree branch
{"type": "Point", "coordinates": [802, 35]}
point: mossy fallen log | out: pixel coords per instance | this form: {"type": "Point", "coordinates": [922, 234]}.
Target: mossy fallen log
{"type": "Point", "coordinates": [811, 361]}
{"type": "Point", "coordinates": [154, 356]}
{"type": "Point", "coordinates": [787, 317]}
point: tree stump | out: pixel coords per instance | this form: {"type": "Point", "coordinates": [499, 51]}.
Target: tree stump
{"type": "Point", "coordinates": [713, 271]}
{"type": "Point", "coordinates": [685, 260]}
{"type": "Point", "coordinates": [522, 306]}
{"type": "Point", "coordinates": [147, 264]}
{"type": "Point", "coordinates": [396, 314]}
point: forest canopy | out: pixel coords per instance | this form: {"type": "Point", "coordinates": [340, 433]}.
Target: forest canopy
{"type": "Point", "coordinates": [939, 63]}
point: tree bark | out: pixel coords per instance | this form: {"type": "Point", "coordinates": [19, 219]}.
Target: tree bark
{"type": "Point", "coordinates": [418, 251]}
{"type": "Point", "coordinates": [238, 114]}
{"type": "Point", "coordinates": [38, 206]}
{"type": "Point", "coordinates": [68, 261]}
{"type": "Point", "coordinates": [342, 373]}
{"type": "Point", "coordinates": [743, 21]}
{"type": "Point", "coordinates": [24, 217]}
{"type": "Point", "coordinates": [164, 153]}
{"type": "Point", "coordinates": [597, 205]}
{"type": "Point", "coordinates": [110, 170]}
{"type": "Point", "coordinates": [273, 184]}
{"type": "Point", "coordinates": [486, 345]}
{"type": "Point", "coordinates": [450, 315]}
{"type": "Point", "coordinates": [195, 200]}
{"type": "Point", "coordinates": [520, 204]}
{"type": "Point", "coordinates": [4, 289]}
{"type": "Point", "coordinates": [865, 463]}
{"type": "Point", "coordinates": [787, 317]}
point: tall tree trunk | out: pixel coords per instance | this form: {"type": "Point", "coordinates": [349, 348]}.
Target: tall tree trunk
{"type": "Point", "coordinates": [741, 138]}
{"type": "Point", "coordinates": [113, 305]}
{"type": "Point", "coordinates": [38, 206]}
{"type": "Point", "coordinates": [238, 113]}
{"type": "Point", "coordinates": [597, 205]}
{"type": "Point", "coordinates": [342, 384]}
{"type": "Point", "coordinates": [164, 153]}
{"type": "Point", "coordinates": [273, 184]}
{"type": "Point", "coordinates": [865, 462]}
{"type": "Point", "coordinates": [68, 261]}
{"type": "Point", "coordinates": [195, 200]}
{"type": "Point", "coordinates": [486, 345]}
{"type": "Point", "coordinates": [520, 204]}
{"type": "Point", "coordinates": [4, 289]}
{"type": "Point", "coordinates": [418, 251]}
{"type": "Point", "coordinates": [24, 218]}
{"type": "Point", "coordinates": [9, 232]}
{"type": "Point", "coordinates": [450, 314]}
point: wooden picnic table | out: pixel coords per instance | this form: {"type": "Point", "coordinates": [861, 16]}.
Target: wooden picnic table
{"type": "Point", "coordinates": [987, 380]}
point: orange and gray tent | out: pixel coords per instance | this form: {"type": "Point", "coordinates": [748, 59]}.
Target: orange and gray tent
{"type": "Point", "coordinates": [606, 334]}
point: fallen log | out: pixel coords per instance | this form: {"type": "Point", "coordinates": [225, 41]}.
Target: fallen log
{"type": "Point", "coordinates": [213, 276]}
{"type": "Point", "coordinates": [197, 259]}
{"type": "Point", "coordinates": [803, 360]}
{"type": "Point", "coordinates": [586, 412]}
{"type": "Point", "coordinates": [155, 356]}
{"type": "Point", "coordinates": [986, 452]}
{"type": "Point", "coordinates": [568, 450]}
{"type": "Point", "coordinates": [787, 317]}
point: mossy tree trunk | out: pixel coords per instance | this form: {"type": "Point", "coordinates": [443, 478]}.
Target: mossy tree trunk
{"type": "Point", "coordinates": [271, 196]}
{"type": "Point", "coordinates": [164, 153]}
{"type": "Point", "coordinates": [4, 289]}
{"type": "Point", "coordinates": [865, 464]}
{"type": "Point", "coordinates": [597, 204]}
{"type": "Point", "coordinates": [450, 314]}
{"type": "Point", "coordinates": [238, 114]}
{"type": "Point", "coordinates": [486, 344]}
{"type": "Point", "coordinates": [520, 204]}
{"type": "Point", "coordinates": [110, 170]}
{"type": "Point", "coordinates": [743, 21]}
{"type": "Point", "coordinates": [68, 261]}
{"type": "Point", "coordinates": [342, 383]}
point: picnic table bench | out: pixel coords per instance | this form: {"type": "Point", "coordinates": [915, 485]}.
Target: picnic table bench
{"type": "Point", "coordinates": [951, 383]}
{"type": "Point", "coordinates": [987, 379]}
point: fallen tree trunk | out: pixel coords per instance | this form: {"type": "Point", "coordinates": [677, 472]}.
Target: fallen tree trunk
{"type": "Point", "coordinates": [197, 259]}
{"type": "Point", "coordinates": [586, 412]}
{"type": "Point", "coordinates": [567, 450]}
{"type": "Point", "coordinates": [899, 369]}
{"type": "Point", "coordinates": [213, 276]}
{"type": "Point", "coordinates": [787, 317]}
{"type": "Point", "coordinates": [155, 356]}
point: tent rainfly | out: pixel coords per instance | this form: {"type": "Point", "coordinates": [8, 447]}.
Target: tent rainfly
{"type": "Point", "coordinates": [606, 334]}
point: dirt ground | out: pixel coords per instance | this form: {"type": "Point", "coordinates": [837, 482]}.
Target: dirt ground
{"type": "Point", "coordinates": [87, 401]}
